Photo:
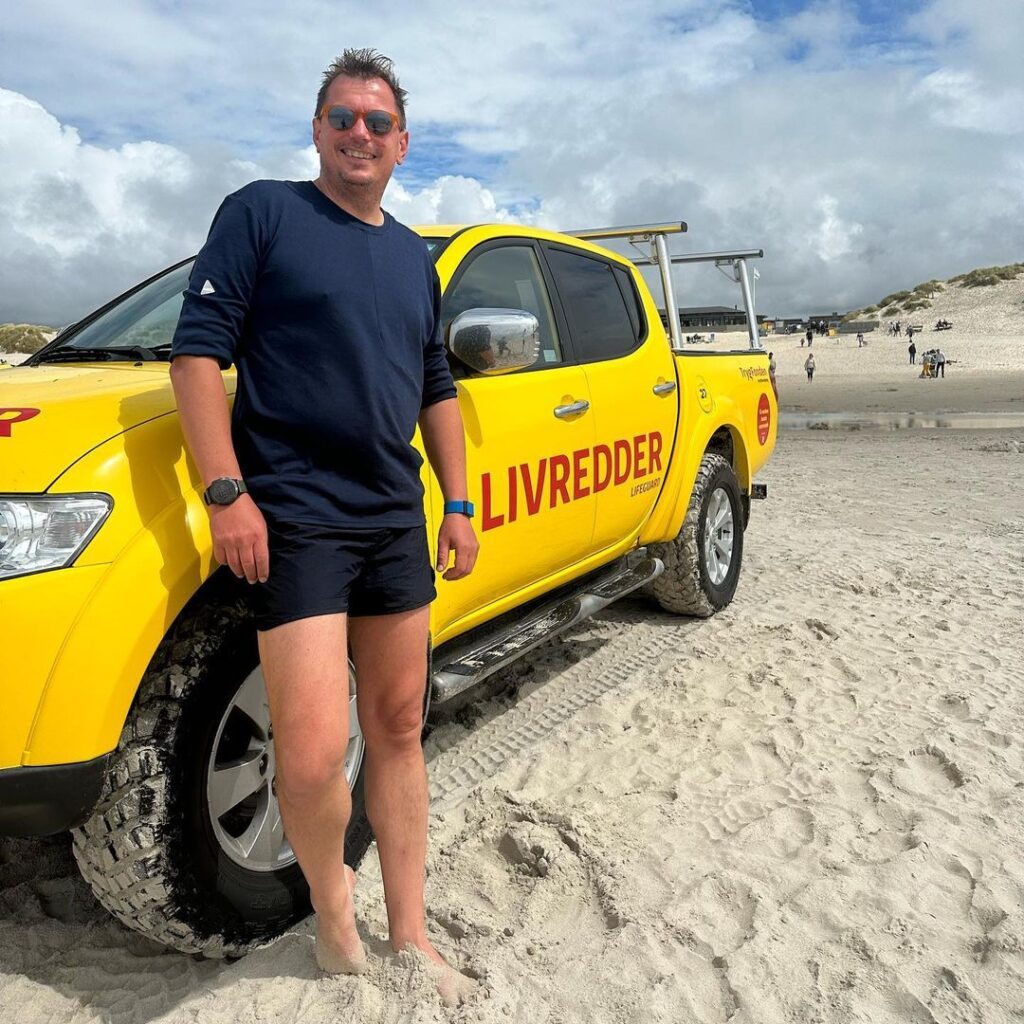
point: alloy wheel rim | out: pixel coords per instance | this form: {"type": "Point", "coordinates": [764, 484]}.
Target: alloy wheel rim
{"type": "Point", "coordinates": [241, 795]}
{"type": "Point", "coordinates": [719, 536]}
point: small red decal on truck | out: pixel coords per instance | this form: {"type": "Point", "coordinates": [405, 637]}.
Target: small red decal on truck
{"type": "Point", "coordinates": [8, 421]}
{"type": "Point", "coordinates": [764, 418]}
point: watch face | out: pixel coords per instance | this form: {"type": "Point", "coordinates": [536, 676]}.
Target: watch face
{"type": "Point", "coordinates": [223, 492]}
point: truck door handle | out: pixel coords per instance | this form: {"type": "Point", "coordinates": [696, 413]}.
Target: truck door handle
{"type": "Point", "coordinates": [563, 411]}
{"type": "Point", "coordinates": [664, 389]}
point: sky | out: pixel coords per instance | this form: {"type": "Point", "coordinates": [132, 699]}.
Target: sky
{"type": "Point", "coordinates": [864, 146]}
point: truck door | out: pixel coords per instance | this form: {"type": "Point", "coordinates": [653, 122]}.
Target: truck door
{"type": "Point", "coordinates": [633, 388]}
{"type": "Point", "coordinates": [522, 429]}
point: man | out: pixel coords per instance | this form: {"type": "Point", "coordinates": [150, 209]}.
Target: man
{"type": "Point", "coordinates": [331, 311]}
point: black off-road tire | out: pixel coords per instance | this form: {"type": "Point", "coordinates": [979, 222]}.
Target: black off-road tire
{"type": "Point", "coordinates": [685, 587]}
{"type": "Point", "coordinates": [148, 851]}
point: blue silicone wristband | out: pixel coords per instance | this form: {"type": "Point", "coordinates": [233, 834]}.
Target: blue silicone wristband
{"type": "Point", "coordinates": [463, 507]}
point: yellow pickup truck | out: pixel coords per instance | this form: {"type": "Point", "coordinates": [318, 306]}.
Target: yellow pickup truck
{"type": "Point", "coordinates": [602, 459]}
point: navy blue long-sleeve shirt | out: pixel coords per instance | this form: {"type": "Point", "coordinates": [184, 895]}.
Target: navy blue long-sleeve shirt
{"type": "Point", "coordinates": [334, 325]}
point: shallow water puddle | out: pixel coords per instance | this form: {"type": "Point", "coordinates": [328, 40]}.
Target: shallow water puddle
{"type": "Point", "coordinates": [900, 421]}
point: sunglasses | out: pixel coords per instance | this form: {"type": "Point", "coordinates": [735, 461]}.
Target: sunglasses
{"type": "Point", "coordinates": [378, 122]}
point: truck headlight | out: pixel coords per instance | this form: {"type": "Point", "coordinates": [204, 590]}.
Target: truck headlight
{"type": "Point", "coordinates": [47, 531]}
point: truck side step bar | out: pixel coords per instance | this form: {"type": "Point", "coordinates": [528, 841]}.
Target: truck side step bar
{"type": "Point", "coordinates": [469, 662]}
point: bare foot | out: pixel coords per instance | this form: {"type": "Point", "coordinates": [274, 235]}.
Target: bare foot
{"type": "Point", "coordinates": [339, 950]}
{"type": "Point", "coordinates": [453, 987]}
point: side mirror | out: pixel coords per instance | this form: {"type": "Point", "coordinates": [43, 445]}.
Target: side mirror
{"type": "Point", "coordinates": [495, 341]}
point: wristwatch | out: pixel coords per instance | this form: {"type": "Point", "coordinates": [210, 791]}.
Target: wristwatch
{"type": "Point", "coordinates": [224, 490]}
{"type": "Point", "coordinates": [463, 507]}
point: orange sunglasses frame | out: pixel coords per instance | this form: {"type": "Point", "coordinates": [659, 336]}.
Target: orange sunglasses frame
{"type": "Point", "coordinates": [361, 115]}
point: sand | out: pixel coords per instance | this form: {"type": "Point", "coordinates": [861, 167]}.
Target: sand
{"type": "Point", "coordinates": [804, 809]}
{"type": "Point", "coordinates": [983, 373]}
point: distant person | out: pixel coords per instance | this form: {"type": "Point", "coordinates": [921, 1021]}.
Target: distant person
{"type": "Point", "coordinates": [912, 349]}
{"type": "Point", "coordinates": [860, 339]}
{"type": "Point", "coordinates": [910, 333]}
{"type": "Point", "coordinates": [940, 363]}
{"type": "Point", "coordinates": [809, 366]}
{"type": "Point", "coordinates": [899, 329]}
{"type": "Point", "coordinates": [771, 363]}
{"type": "Point", "coordinates": [810, 337]}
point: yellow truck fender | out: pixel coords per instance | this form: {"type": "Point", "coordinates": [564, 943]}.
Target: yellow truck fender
{"type": "Point", "coordinates": [92, 685]}
{"type": "Point", "coordinates": [726, 429]}
{"type": "Point", "coordinates": [154, 573]}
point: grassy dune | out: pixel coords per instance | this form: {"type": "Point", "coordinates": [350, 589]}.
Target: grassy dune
{"type": "Point", "coordinates": [24, 337]}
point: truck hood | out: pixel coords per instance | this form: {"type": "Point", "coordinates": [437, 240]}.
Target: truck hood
{"type": "Point", "coordinates": [50, 416]}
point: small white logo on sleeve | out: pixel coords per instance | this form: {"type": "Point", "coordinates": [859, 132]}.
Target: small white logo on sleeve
{"type": "Point", "coordinates": [207, 289]}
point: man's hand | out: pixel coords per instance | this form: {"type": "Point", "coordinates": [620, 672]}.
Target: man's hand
{"type": "Point", "coordinates": [456, 534]}
{"type": "Point", "coordinates": [240, 539]}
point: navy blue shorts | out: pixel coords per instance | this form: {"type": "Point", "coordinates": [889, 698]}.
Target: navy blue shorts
{"type": "Point", "coordinates": [321, 570]}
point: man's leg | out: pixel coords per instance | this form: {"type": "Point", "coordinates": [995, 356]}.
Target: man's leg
{"type": "Point", "coordinates": [305, 664]}
{"type": "Point", "coordinates": [390, 654]}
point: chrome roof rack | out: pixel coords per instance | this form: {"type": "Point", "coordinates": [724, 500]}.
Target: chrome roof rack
{"type": "Point", "coordinates": [642, 232]}
{"type": "Point", "coordinates": [659, 256]}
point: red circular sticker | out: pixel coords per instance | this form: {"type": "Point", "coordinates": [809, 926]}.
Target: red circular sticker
{"type": "Point", "coordinates": [764, 418]}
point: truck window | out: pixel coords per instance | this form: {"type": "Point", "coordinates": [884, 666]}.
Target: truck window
{"type": "Point", "coordinates": [508, 277]}
{"type": "Point", "coordinates": [632, 300]}
{"type": "Point", "coordinates": [595, 305]}
{"type": "Point", "coordinates": [147, 317]}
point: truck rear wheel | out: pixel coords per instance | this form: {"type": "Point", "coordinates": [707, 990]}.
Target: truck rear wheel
{"type": "Point", "coordinates": [702, 565]}
{"type": "Point", "coordinates": [186, 844]}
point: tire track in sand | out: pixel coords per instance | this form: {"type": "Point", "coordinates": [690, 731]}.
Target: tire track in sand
{"type": "Point", "coordinates": [635, 645]}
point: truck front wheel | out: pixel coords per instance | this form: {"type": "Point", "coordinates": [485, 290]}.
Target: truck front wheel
{"type": "Point", "coordinates": [186, 844]}
{"type": "Point", "coordinates": [702, 565]}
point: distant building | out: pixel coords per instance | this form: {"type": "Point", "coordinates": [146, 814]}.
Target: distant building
{"type": "Point", "coordinates": [830, 319]}
{"type": "Point", "coordinates": [788, 324]}
{"type": "Point", "coordinates": [712, 318]}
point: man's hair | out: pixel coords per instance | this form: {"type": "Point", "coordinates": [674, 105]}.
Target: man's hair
{"type": "Point", "coordinates": [363, 64]}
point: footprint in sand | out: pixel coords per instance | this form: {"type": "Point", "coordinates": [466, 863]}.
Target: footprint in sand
{"type": "Point", "coordinates": [822, 630]}
{"type": "Point", "coordinates": [929, 772]}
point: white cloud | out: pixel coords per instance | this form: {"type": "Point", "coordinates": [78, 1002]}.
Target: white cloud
{"type": "Point", "coordinates": [960, 100]}
{"type": "Point", "coordinates": [835, 237]}
{"type": "Point", "coordinates": [81, 222]}
{"type": "Point", "coordinates": [857, 167]}
{"type": "Point", "coordinates": [449, 200]}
